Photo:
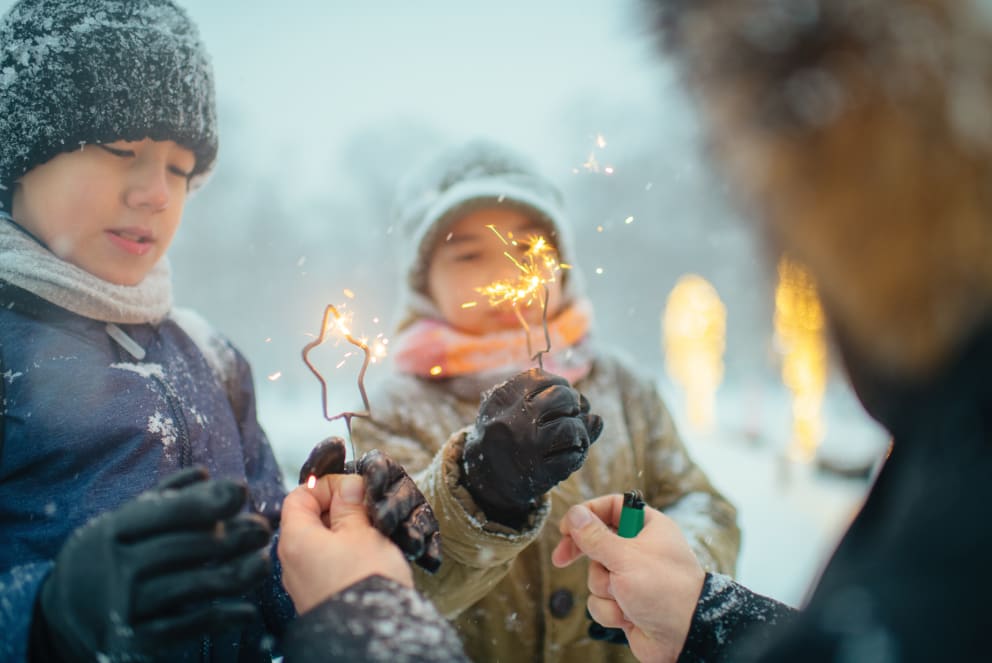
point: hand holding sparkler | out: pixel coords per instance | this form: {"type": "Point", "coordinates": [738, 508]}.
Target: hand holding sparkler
{"type": "Point", "coordinates": [395, 505]}
{"type": "Point", "coordinates": [327, 545]}
{"type": "Point", "coordinates": [532, 432]}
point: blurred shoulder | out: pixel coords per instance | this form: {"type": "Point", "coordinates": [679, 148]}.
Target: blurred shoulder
{"type": "Point", "coordinates": [613, 370]}
{"type": "Point", "coordinates": [396, 393]}
{"type": "Point", "coordinates": [219, 352]}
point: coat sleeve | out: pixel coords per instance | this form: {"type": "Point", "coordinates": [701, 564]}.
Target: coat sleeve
{"type": "Point", "coordinates": [375, 620]}
{"type": "Point", "coordinates": [477, 553]}
{"type": "Point", "coordinates": [732, 623]}
{"type": "Point", "coordinates": [19, 588]}
{"type": "Point", "coordinates": [673, 483]}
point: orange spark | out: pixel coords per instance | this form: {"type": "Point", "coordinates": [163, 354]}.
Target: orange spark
{"type": "Point", "coordinates": [538, 267]}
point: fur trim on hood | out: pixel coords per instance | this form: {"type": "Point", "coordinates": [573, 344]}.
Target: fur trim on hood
{"type": "Point", "coordinates": [860, 132]}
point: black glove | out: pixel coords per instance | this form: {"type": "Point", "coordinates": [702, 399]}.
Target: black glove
{"type": "Point", "coordinates": [167, 567]}
{"type": "Point", "coordinates": [395, 505]}
{"type": "Point", "coordinates": [532, 432]}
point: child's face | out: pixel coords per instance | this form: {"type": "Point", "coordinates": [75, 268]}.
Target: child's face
{"type": "Point", "coordinates": [110, 209]}
{"type": "Point", "coordinates": [470, 255]}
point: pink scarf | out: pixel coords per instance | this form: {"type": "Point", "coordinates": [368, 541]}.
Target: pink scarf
{"type": "Point", "coordinates": [432, 349]}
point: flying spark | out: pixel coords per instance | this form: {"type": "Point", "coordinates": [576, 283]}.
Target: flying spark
{"type": "Point", "coordinates": [538, 266]}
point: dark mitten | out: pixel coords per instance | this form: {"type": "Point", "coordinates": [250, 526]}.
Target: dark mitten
{"type": "Point", "coordinates": [395, 505]}
{"type": "Point", "coordinates": [531, 433]}
{"type": "Point", "coordinates": [399, 510]}
{"type": "Point", "coordinates": [170, 566]}
{"type": "Point", "coordinates": [327, 457]}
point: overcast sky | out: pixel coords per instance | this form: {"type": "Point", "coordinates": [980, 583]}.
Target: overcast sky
{"type": "Point", "coordinates": [305, 74]}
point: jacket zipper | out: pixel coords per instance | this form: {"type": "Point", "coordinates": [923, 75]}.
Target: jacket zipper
{"type": "Point", "coordinates": [185, 450]}
{"type": "Point", "coordinates": [129, 345]}
{"type": "Point", "coordinates": [126, 343]}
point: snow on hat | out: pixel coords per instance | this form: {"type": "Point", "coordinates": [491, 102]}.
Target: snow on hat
{"type": "Point", "coordinates": [94, 71]}
{"type": "Point", "coordinates": [460, 179]}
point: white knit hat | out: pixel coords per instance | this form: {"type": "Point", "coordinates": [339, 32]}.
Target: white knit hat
{"type": "Point", "coordinates": [460, 179]}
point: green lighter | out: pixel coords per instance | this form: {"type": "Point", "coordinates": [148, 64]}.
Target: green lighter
{"type": "Point", "coordinates": [632, 515]}
{"type": "Point", "coordinates": [631, 522]}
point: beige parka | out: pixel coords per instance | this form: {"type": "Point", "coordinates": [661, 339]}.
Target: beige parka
{"type": "Point", "coordinates": [497, 585]}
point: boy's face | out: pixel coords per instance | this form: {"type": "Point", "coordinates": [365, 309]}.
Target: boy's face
{"type": "Point", "coordinates": [109, 209]}
{"type": "Point", "coordinates": [470, 255]}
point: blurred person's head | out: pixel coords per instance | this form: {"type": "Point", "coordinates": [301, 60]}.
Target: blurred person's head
{"type": "Point", "coordinates": [860, 135]}
{"type": "Point", "coordinates": [461, 213]}
{"type": "Point", "coordinates": [107, 119]}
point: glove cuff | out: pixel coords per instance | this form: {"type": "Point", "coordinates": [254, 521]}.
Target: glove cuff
{"type": "Point", "coordinates": [46, 645]}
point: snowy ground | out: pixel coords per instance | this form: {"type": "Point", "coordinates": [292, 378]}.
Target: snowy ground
{"type": "Point", "coordinates": [791, 515]}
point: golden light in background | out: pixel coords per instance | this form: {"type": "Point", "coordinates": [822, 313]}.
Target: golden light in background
{"type": "Point", "coordinates": [694, 329]}
{"type": "Point", "coordinates": [799, 335]}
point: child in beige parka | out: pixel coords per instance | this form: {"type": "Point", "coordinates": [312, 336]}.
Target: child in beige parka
{"type": "Point", "coordinates": [497, 583]}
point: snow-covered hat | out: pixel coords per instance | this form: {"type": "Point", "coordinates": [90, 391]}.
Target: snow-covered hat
{"type": "Point", "coordinates": [95, 71]}
{"type": "Point", "coordinates": [460, 179]}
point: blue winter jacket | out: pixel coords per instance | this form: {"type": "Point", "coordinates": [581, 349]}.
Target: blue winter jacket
{"type": "Point", "coordinates": [86, 427]}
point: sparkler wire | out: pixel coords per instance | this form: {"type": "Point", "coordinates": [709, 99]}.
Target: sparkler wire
{"type": "Point", "coordinates": [331, 310]}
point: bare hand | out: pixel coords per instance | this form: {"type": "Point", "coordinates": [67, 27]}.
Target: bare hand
{"type": "Point", "coordinates": [648, 586]}
{"type": "Point", "coordinates": [395, 505]}
{"type": "Point", "coordinates": [327, 543]}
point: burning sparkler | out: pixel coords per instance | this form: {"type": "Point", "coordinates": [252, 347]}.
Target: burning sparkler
{"type": "Point", "coordinates": [538, 267]}
{"type": "Point", "coordinates": [334, 321]}
{"type": "Point", "coordinates": [799, 325]}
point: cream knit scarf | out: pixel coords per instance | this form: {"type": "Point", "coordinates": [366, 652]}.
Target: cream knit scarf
{"type": "Point", "coordinates": [28, 264]}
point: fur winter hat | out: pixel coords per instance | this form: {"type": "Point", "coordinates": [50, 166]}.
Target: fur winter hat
{"type": "Point", "coordinates": [94, 71]}
{"type": "Point", "coordinates": [460, 179]}
{"type": "Point", "coordinates": [867, 157]}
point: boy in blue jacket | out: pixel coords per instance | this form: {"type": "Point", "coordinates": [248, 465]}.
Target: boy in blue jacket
{"type": "Point", "coordinates": [114, 406]}
{"type": "Point", "coordinates": [107, 122]}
